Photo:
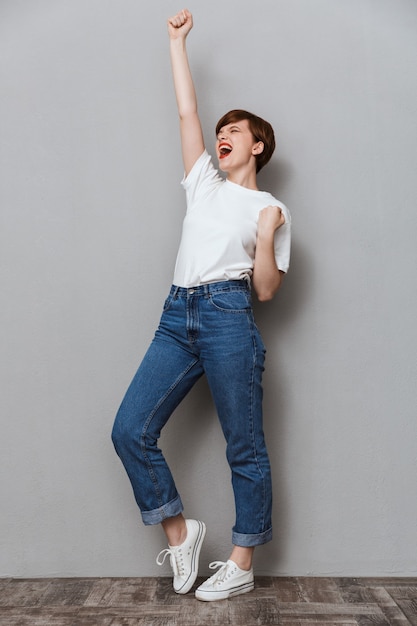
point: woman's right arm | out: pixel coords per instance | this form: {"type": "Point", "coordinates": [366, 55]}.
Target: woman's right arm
{"type": "Point", "coordinates": [192, 140]}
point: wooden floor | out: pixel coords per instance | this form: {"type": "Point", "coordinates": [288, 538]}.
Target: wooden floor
{"type": "Point", "coordinates": [151, 602]}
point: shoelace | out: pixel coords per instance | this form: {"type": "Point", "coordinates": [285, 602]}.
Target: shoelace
{"type": "Point", "coordinates": [175, 557]}
{"type": "Point", "coordinates": [223, 572]}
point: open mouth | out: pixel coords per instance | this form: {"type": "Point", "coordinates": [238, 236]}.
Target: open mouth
{"type": "Point", "coordinates": [224, 149]}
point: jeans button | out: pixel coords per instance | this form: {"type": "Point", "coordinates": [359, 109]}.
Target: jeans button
{"type": "Point", "coordinates": [191, 291]}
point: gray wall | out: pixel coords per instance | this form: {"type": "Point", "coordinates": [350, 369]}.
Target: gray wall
{"type": "Point", "coordinates": [91, 211]}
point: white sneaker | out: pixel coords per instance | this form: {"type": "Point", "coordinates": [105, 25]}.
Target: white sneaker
{"type": "Point", "coordinates": [184, 558]}
{"type": "Point", "coordinates": [229, 581]}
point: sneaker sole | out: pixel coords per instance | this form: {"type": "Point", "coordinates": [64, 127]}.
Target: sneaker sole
{"type": "Point", "coordinates": [194, 561]}
{"type": "Point", "coordinates": [209, 596]}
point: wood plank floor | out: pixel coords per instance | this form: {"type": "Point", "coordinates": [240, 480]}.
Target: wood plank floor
{"type": "Point", "coordinates": [151, 602]}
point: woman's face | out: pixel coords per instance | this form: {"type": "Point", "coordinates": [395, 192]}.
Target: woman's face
{"type": "Point", "coordinates": [236, 146]}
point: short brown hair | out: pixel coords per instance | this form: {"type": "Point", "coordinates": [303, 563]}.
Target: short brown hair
{"type": "Point", "coordinates": [260, 129]}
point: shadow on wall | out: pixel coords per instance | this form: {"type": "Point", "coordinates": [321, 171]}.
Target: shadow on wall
{"type": "Point", "coordinates": [275, 319]}
{"type": "Point", "coordinates": [281, 312]}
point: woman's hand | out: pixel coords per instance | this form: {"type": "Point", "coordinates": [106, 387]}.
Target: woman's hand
{"type": "Point", "coordinates": [180, 25]}
{"type": "Point", "coordinates": [270, 219]}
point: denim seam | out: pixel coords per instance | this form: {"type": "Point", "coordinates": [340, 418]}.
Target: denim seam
{"type": "Point", "coordinates": [147, 423]}
{"type": "Point", "coordinates": [255, 451]}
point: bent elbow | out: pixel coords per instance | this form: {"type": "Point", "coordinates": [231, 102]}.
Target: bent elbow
{"type": "Point", "coordinates": [264, 295]}
{"type": "Point", "coordinates": [266, 289]}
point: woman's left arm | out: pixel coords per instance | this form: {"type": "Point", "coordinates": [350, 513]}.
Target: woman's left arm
{"type": "Point", "coordinates": [266, 277]}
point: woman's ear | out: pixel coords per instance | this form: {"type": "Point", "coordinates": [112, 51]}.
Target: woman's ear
{"type": "Point", "coordinates": [258, 148]}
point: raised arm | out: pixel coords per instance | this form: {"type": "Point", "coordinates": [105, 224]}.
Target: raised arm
{"type": "Point", "coordinates": [192, 140]}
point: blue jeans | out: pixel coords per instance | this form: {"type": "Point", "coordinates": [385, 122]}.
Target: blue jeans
{"type": "Point", "coordinates": [208, 330]}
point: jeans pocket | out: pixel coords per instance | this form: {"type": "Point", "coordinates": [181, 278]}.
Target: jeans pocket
{"type": "Point", "coordinates": [238, 301]}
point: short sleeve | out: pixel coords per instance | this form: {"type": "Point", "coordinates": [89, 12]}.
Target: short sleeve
{"type": "Point", "coordinates": [202, 179]}
{"type": "Point", "coordinates": [282, 241]}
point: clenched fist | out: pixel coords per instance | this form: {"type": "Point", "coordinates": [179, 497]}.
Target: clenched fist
{"type": "Point", "coordinates": [270, 219]}
{"type": "Point", "coordinates": [180, 24]}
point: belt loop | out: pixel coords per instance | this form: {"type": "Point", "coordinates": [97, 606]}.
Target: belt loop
{"type": "Point", "coordinates": [174, 295]}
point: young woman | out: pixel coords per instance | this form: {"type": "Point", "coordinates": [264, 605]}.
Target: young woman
{"type": "Point", "coordinates": [233, 235]}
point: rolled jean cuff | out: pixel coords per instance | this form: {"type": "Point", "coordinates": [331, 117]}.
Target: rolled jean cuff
{"type": "Point", "coordinates": [250, 541]}
{"type": "Point", "coordinates": [157, 516]}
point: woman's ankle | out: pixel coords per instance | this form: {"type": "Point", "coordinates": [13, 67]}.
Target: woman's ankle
{"type": "Point", "coordinates": [242, 557]}
{"type": "Point", "coordinates": [175, 530]}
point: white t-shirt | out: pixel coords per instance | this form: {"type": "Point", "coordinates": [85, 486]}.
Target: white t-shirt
{"type": "Point", "coordinates": [219, 230]}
